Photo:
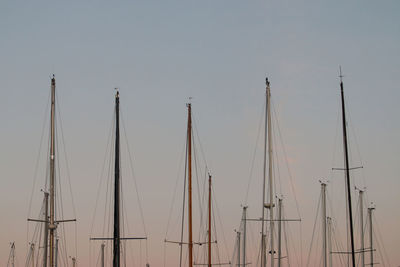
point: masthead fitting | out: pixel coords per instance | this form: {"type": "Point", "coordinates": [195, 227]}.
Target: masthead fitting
{"type": "Point", "coordinates": [266, 81]}
{"type": "Point", "coordinates": [340, 73]}
{"type": "Point", "coordinates": [189, 103]}
{"type": "Point", "coordinates": [117, 94]}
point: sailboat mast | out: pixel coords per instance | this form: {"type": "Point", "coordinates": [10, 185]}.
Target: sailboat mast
{"type": "Point", "coordinates": [238, 242]}
{"type": "Point", "coordinates": [33, 254]}
{"type": "Point", "coordinates": [267, 147]}
{"type": "Point", "coordinates": [347, 170]}
{"type": "Point", "coordinates": [361, 201]}
{"type": "Point", "coordinates": [102, 255]}
{"type": "Point", "coordinates": [371, 247]}
{"type": "Point", "coordinates": [324, 241]}
{"type": "Point", "coordinates": [189, 145]}
{"type": "Point", "coordinates": [209, 220]}
{"type": "Point", "coordinates": [329, 223]}
{"type": "Point", "coordinates": [279, 231]}
{"type": "Point", "coordinates": [52, 225]}
{"type": "Point", "coordinates": [244, 235]}
{"type": "Point", "coordinates": [116, 239]}
{"type": "Point", "coordinates": [46, 228]}
{"type": "Point", "coordinates": [271, 204]}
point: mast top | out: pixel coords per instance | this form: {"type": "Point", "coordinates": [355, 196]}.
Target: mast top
{"type": "Point", "coordinates": [53, 80]}
{"type": "Point", "coordinates": [189, 103]}
{"type": "Point", "coordinates": [267, 81]}
{"type": "Point", "coordinates": [340, 74]}
{"type": "Point", "coordinates": [117, 93]}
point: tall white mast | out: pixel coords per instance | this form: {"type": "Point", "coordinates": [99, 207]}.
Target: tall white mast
{"type": "Point", "coordinates": [361, 202]}
{"type": "Point", "coordinates": [329, 224]}
{"type": "Point", "coordinates": [270, 205]}
{"type": "Point", "coordinates": [52, 225]}
{"type": "Point", "coordinates": [324, 243]}
{"type": "Point", "coordinates": [244, 216]}
{"type": "Point", "coordinates": [279, 231]}
{"type": "Point", "coordinates": [271, 187]}
{"type": "Point", "coordinates": [371, 236]}
{"type": "Point", "coordinates": [238, 242]}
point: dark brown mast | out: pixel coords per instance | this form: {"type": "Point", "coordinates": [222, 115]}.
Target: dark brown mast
{"type": "Point", "coordinates": [346, 159]}
{"type": "Point", "coordinates": [209, 220]}
{"type": "Point", "coordinates": [189, 140]}
{"type": "Point", "coordinates": [116, 239]}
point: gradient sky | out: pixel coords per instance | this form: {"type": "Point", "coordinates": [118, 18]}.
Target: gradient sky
{"type": "Point", "coordinates": [218, 52]}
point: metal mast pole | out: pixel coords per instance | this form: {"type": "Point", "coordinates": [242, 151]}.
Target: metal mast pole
{"type": "Point", "coordinates": [46, 228]}
{"type": "Point", "coordinates": [116, 239]}
{"type": "Point", "coordinates": [238, 241]}
{"type": "Point", "coordinates": [102, 254]}
{"type": "Point", "coordinates": [329, 222]}
{"type": "Point", "coordinates": [270, 205]}
{"type": "Point", "coordinates": [244, 235]}
{"type": "Point", "coordinates": [348, 187]}
{"type": "Point", "coordinates": [324, 245]}
{"type": "Point", "coordinates": [279, 232]}
{"type": "Point", "coordinates": [361, 200]}
{"type": "Point", "coordinates": [371, 236]}
{"type": "Point", "coordinates": [189, 134]}
{"type": "Point", "coordinates": [33, 254]}
{"type": "Point", "coordinates": [13, 254]}
{"type": "Point", "coordinates": [52, 225]}
{"type": "Point", "coordinates": [263, 248]}
{"type": "Point", "coordinates": [271, 188]}
{"type": "Point", "coordinates": [209, 220]}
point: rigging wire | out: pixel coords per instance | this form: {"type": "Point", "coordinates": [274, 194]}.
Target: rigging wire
{"type": "Point", "coordinates": [135, 183]}
{"type": "Point", "coordinates": [254, 154]}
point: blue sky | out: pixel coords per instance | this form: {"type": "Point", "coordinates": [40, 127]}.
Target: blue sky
{"type": "Point", "coordinates": [159, 53]}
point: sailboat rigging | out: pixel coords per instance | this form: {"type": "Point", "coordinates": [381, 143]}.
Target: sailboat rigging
{"type": "Point", "coordinates": [50, 221]}
{"type": "Point", "coordinates": [116, 239]}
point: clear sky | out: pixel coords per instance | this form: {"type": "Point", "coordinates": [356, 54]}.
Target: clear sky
{"type": "Point", "coordinates": [218, 52]}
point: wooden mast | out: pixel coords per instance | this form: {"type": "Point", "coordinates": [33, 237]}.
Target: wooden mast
{"type": "Point", "coordinates": [347, 170]}
{"type": "Point", "coordinates": [52, 225]}
{"type": "Point", "coordinates": [209, 220]}
{"type": "Point", "coordinates": [189, 147]}
{"type": "Point", "coordinates": [116, 239]}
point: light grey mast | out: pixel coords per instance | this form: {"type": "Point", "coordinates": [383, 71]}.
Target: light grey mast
{"type": "Point", "coordinates": [33, 254]}
{"type": "Point", "coordinates": [244, 216]}
{"type": "Point", "coordinates": [361, 207]}
{"type": "Point", "coordinates": [279, 231]}
{"type": "Point", "coordinates": [324, 241]}
{"type": "Point", "coordinates": [270, 205]}
{"type": "Point", "coordinates": [329, 226]}
{"type": "Point", "coordinates": [238, 242]}
{"type": "Point", "coordinates": [371, 247]}
{"type": "Point", "coordinates": [52, 224]}
{"type": "Point", "coordinates": [46, 228]}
